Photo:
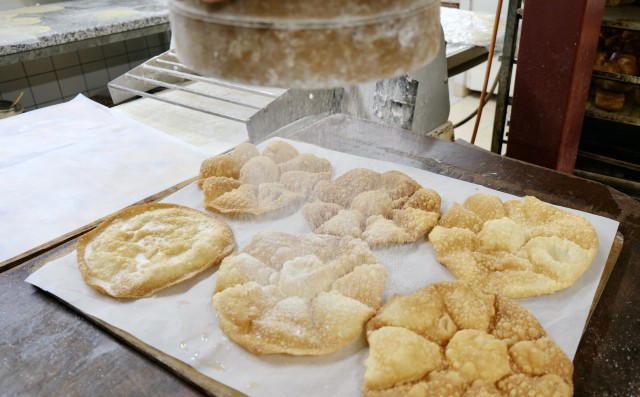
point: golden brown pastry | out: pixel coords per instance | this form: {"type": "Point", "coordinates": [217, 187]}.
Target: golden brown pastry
{"type": "Point", "coordinates": [245, 182]}
{"type": "Point", "coordinates": [600, 61]}
{"type": "Point", "coordinates": [381, 208]}
{"type": "Point", "coordinates": [626, 63]}
{"type": "Point", "coordinates": [609, 100]}
{"type": "Point", "coordinates": [519, 248]}
{"type": "Point", "coordinates": [145, 248]}
{"type": "Point", "coordinates": [451, 339]}
{"type": "Point", "coordinates": [298, 294]}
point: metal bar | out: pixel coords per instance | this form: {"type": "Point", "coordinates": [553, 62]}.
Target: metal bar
{"type": "Point", "coordinates": [194, 77]}
{"type": "Point", "coordinates": [609, 160]}
{"type": "Point", "coordinates": [161, 99]}
{"type": "Point", "coordinates": [504, 76]}
{"type": "Point", "coordinates": [191, 91]}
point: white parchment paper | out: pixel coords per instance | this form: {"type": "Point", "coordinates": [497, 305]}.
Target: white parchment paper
{"type": "Point", "coordinates": [65, 166]}
{"type": "Point", "coordinates": [182, 323]}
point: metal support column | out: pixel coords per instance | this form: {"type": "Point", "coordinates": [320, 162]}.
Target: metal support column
{"type": "Point", "coordinates": [507, 60]}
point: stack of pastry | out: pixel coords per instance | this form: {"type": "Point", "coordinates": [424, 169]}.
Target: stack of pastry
{"type": "Point", "coordinates": [247, 182]}
{"type": "Point", "coordinates": [451, 339]}
{"type": "Point", "coordinates": [618, 52]}
{"type": "Point", "coordinates": [380, 208]}
{"type": "Point", "coordinates": [298, 294]}
{"type": "Point", "coordinates": [518, 248]}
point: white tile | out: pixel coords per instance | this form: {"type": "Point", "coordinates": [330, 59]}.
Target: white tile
{"type": "Point", "coordinates": [95, 74]}
{"type": "Point", "coordinates": [117, 66]}
{"type": "Point", "coordinates": [155, 51]}
{"type": "Point", "coordinates": [114, 49]}
{"type": "Point", "coordinates": [65, 60]}
{"type": "Point", "coordinates": [138, 57]}
{"type": "Point", "coordinates": [91, 54]}
{"type": "Point", "coordinates": [11, 89]}
{"type": "Point", "coordinates": [45, 88]}
{"type": "Point", "coordinates": [154, 40]}
{"type": "Point", "coordinates": [38, 66]}
{"type": "Point", "coordinates": [137, 44]}
{"type": "Point", "coordinates": [71, 81]}
{"type": "Point", "coordinates": [12, 71]}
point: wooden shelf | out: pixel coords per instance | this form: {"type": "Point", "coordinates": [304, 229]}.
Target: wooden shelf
{"type": "Point", "coordinates": [622, 17]}
{"type": "Point", "coordinates": [623, 78]}
{"type": "Point", "coordinates": [630, 114]}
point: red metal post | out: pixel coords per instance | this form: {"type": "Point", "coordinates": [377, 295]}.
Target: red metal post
{"type": "Point", "coordinates": [555, 60]}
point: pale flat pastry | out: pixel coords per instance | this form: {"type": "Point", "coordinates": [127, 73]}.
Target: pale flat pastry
{"type": "Point", "coordinates": [248, 183]}
{"type": "Point", "coordinates": [519, 248]}
{"type": "Point", "coordinates": [221, 165]}
{"type": "Point", "coordinates": [215, 186]}
{"type": "Point", "coordinates": [451, 339]}
{"type": "Point", "coordinates": [398, 184]}
{"type": "Point", "coordinates": [244, 152]}
{"type": "Point", "coordinates": [372, 202]}
{"type": "Point", "coordinates": [318, 212]}
{"type": "Point", "coordinates": [298, 294]}
{"type": "Point", "coordinates": [259, 169]}
{"type": "Point", "coordinates": [396, 208]}
{"type": "Point", "coordinates": [274, 196]}
{"type": "Point", "coordinates": [280, 152]}
{"type": "Point", "coordinates": [381, 231]}
{"type": "Point", "coordinates": [306, 162]}
{"type": "Point", "coordinates": [145, 248]}
{"type": "Point", "coordinates": [303, 181]}
{"type": "Point", "coordinates": [344, 223]}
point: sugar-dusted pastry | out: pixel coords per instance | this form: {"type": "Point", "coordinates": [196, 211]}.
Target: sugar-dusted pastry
{"type": "Point", "coordinates": [243, 153]}
{"type": "Point", "coordinates": [393, 208]}
{"type": "Point", "coordinates": [145, 248]}
{"type": "Point", "coordinates": [298, 294]}
{"type": "Point", "coordinates": [518, 248]}
{"type": "Point", "coordinates": [274, 182]}
{"type": "Point", "coordinates": [280, 152]}
{"type": "Point", "coordinates": [221, 165]}
{"type": "Point", "coordinates": [451, 339]}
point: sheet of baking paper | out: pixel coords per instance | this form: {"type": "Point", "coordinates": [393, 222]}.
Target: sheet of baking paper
{"type": "Point", "coordinates": [190, 330]}
{"type": "Point", "coordinates": [65, 166]}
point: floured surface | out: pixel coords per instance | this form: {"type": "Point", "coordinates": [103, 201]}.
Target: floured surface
{"type": "Point", "coordinates": [103, 163]}
{"type": "Point", "coordinates": [193, 336]}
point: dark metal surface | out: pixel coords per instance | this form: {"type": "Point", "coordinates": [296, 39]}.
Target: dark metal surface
{"type": "Point", "coordinates": [49, 350]}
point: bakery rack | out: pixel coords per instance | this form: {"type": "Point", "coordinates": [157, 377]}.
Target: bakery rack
{"type": "Point", "coordinates": [609, 144]}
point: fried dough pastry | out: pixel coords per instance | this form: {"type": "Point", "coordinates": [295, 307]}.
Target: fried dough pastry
{"type": "Point", "coordinates": [221, 165]}
{"type": "Point", "coordinates": [298, 294]}
{"type": "Point", "coordinates": [243, 153]}
{"type": "Point", "coordinates": [280, 152]}
{"type": "Point", "coordinates": [245, 182]}
{"type": "Point", "coordinates": [145, 248]}
{"type": "Point", "coordinates": [451, 339]}
{"type": "Point", "coordinates": [393, 208]}
{"type": "Point", "coordinates": [520, 248]}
